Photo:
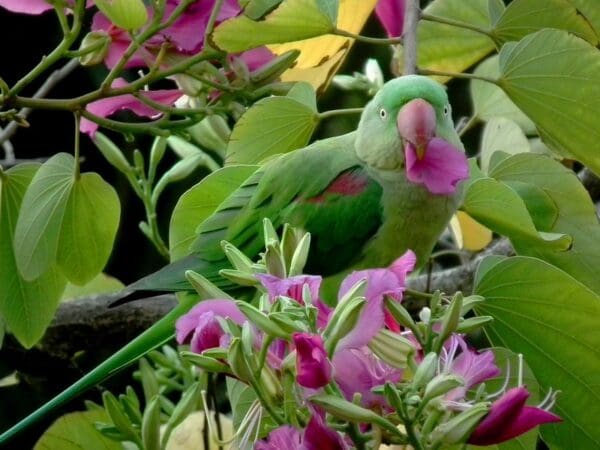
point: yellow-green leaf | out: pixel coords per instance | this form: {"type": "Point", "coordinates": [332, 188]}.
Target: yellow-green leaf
{"type": "Point", "coordinates": [291, 21]}
{"type": "Point", "coordinates": [501, 134]}
{"type": "Point", "coordinates": [101, 284]}
{"type": "Point", "coordinates": [27, 307]}
{"type": "Point", "coordinates": [126, 14]}
{"type": "Point", "coordinates": [290, 125]}
{"type": "Point", "coordinates": [554, 77]}
{"type": "Point", "coordinates": [523, 17]}
{"type": "Point", "coordinates": [76, 431]}
{"type": "Point", "coordinates": [449, 48]}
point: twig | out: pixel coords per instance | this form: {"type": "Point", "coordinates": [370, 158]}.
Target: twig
{"type": "Point", "coordinates": [411, 20]}
{"type": "Point", "coordinates": [55, 77]}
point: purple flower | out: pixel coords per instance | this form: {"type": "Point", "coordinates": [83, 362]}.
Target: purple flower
{"type": "Point", "coordinates": [285, 437]}
{"type": "Point", "coordinates": [440, 169]}
{"type": "Point", "coordinates": [316, 436]}
{"type": "Point", "coordinates": [202, 325]}
{"type": "Point", "coordinates": [313, 368]}
{"type": "Point", "coordinates": [390, 281]}
{"type": "Point", "coordinates": [391, 15]}
{"type": "Point", "coordinates": [359, 371]}
{"type": "Point", "coordinates": [472, 366]}
{"type": "Point", "coordinates": [292, 287]}
{"type": "Point", "coordinates": [510, 417]}
{"type": "Point", "coordinates": [34, 7]}
{"type": "Point", "coordinates": [107, 106]}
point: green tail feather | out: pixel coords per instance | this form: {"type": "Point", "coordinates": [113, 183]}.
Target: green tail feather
{"type": "Point", "coordinates": [158, 334]}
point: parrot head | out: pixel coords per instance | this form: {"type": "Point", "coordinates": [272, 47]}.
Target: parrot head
{"type": "Point", "coordinates": [407, 127]}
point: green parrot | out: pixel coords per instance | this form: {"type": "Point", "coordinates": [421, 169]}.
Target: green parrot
{"type": "Point", "coordinates": [365, 197]}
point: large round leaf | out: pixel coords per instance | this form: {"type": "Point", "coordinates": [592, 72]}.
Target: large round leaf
{"type": "Point", "coordinates": [291, 21]}
{"type": "Point", "coordinates": [199, 202]}
{"type": "Point", "coordinates": [67, 220]}
{"type": "Point", "coordinates": [523, 17]}
{"type": "Point", "coordinates": [554, 77]}
{"type": "Point", "coordinates": [501, 134]}
{"type": "Point", "coordinates": [271, 126]}
{"type": "Point", "coordinates": [551, 319]}
{"type": "Point", "coordinates": [27, 307]}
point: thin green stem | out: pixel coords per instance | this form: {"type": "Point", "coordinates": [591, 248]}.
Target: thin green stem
{"type": "Point", "coordinates": [354, 434]}
{"type": "Point", "coordinates": [456, 23]}
{"type": "Point", "coordinates": [76, 172]}
{"type": "Point", "coordinates": [55, 55]}
{"type": "Point", "coordinates": [467, 76]}
{"type": "Point", "coordinates": [468, 125]}
{"type": "Point", "coordinates": [420, 294]}
{"type": "Point", "coordinates": [212, 19]}
{"type": "Point", "coordinates": [366, 39]}
{"type": "Point", "coordinates": [339, 112]}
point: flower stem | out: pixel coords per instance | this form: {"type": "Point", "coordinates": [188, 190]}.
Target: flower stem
{"type": "Point", "coordinates": [366, 39]}
{"type": "Point", "coordinates": [456, 23]}
{"type": "Point", "coordinates": [420, 294]}
{"type": "Point", "coordinates": [339, 112]}
{"type": "Point", "coordinates": [76, 172]}
{"type": "Point", "coordinates": [465, 75]}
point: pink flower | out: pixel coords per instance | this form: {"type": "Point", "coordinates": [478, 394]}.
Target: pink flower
{"type": "Point", "coordinates": [440, 169]}
{"type": "Point", "coordinates": [34, 7]}
{"type": "Point", "coordinates": [472, 366]}
{"type": "Point", "coordinates": [292, 287]}
{"type": "Point", "coordinates": [107, 106]}
{"type": "Point", "coordinates": [509, 417]}
{"type": "Point", "coordinates": [313, 368]}
{"type": "Point", "coordinates": [358, 370]}
{"type": "Point", "coordinates": [391, 15]}
{"type": "Point", "coordinates": [201, 328]}
{"type": "Point", "coordinates": [390, 281]}
{"type": "Point", "coordinates": [285, 437]}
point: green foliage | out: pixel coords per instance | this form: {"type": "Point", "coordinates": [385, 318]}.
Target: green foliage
{"type": "Point", "coordinates": [66, 219]}
{"type": "Point", "coordinates": [291, 120]}
{"type": "Point", "coordinates": [293, 20]}
{"type": "Point", "coordinates": [76, 431]}
{"type": "Point", "coordinates": [554, 78]}
{"type": "Point", "coordinates": [551, 319]}
{"type": "Point", "coordinates": [25, 315]}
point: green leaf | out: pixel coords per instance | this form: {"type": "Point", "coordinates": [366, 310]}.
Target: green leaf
{"type": "Point", "coordinates": [523, 17]}
{"type": "Point", "coordinates": [498, 207]}
{"type": "Point", "coordinates": [589, 10]}
{"type": "Point", "coordinates": [199, 202]}
{"type": "Point", "coordinates": [495, 10]}
{"type": "Point", "coordinates": [21, 305]}
{"type": "Point", "coordinates": [241, 397]}
{"type": "Point", "coordinates": [126, 14]}
{"type": "Point", "coordinates": [293, 20]}
{"type": "Point", "coordinates": [66, 220]}
{"type": "Point", "coordinates": [89, 226]}
{"type": "Point", "coordinates": [551, 319]}
{"type": "Point", "coordinates": [576, 213]}
{"type": "Point", "coordinates": [101, 284]}
{"type": "Point", "coordinates": [305, 94]}
{"type": "Point", "coordinates": [503, 135]}
{"type": "Point", "coordinates": [76, 431]}
{"type": "Point", "coordinates": [554, 77]}
{"type": "Point", "coordinates": [449, 48]}
{"type": "Point", "coordinates": [291, 123]}
{"type": "Point", "coordinates": [490, 101]}
{"type": "Point", "coordinates": [255, 9]}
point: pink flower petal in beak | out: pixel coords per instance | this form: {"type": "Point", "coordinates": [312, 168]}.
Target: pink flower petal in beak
{"type": "Point", "coordinates": [440, 169]}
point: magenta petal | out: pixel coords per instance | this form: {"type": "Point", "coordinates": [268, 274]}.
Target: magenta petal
{"type": "Point", "coordinates": [313, 368]}
{"type": "Point", "coordinates": [391, 15]}
{"type": "Point", "coordinates": [510, 417]}
{"type": "Point", "coordinates": [318, 436]}
{"type": "Point", "coordinates": [285, 437]}
{"type": "Point", "coordinates": [441, 168]}
{"type": "Point", "coordinates": [257, 57]}
{"type": "Point", "coordinates": [290, 287]}
{"type": "Point", "coordinates": [107, 106]}
{"type": "Point", "coordinates": [187, 323]}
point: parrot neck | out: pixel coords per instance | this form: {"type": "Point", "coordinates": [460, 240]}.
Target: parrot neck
{"type": "Point", "coordinates": [413, 218]}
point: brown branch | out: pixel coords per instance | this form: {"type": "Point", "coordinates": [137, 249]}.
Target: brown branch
{"type": "Point", "coordinates": [409, 37]}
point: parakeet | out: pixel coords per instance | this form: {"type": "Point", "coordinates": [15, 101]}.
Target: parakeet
{"type": "Point", "coordinates": [365, 197]}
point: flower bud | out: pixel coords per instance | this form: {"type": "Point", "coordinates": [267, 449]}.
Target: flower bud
{"type": "Point", "coordinates": [274, 261]}
{"type": "Point", "coordinates": [441, 384]}
{"type": "Point", "coordinates": [212, 133]}
{"type": "Point", "coordinates": [126, 14]}
{"type": "Point", "coordinates": [342, 322]}
{"type": "Point", "coordinates": [203, 287]}
{"type": "Point", "coordinates": [300, 256]}
{"type": "Point", "coordinates": [112, 153]}
{"type": "Point", "coordinates": [270, 71]}
{"type": "Point", "coordinates": [458, 429]}
{"type": "Point", "coordinates": [392, 348]}
{"type": "Point", "coordinates": [261, 320]}
{"type": "Point", "coordinates": [94, 48]}
{"type": "Point", "coordinates": [426, 370]}
{"type": "Point", "coordinates": [400, 314]}
{"type": "Point", "coordinates": [237, 361]}
{"type": "Point", "coordinates": [237, 259]}
{"type": "Point", "coordinates": [473, 323]}
{"type": "Point", "coordinates": [239, 277]}
{"type": "Point", "coordinates": [450, 319]}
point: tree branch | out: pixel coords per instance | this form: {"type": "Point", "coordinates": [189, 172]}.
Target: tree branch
{"type": "Point", "coordinates": [411, 20]}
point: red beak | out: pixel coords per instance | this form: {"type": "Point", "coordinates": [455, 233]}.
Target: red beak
{"type": "Point", "coordinates": [416, 124]}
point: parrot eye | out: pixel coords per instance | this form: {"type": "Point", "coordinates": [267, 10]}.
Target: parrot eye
{"type": "Point", "coordinates": [446, 110]}
{"type": "Point", "coordinates": [382, 113]}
